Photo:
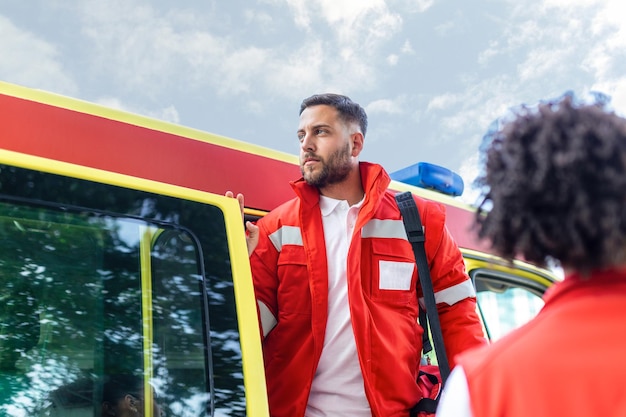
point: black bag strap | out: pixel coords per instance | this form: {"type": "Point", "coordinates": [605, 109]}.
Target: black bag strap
{"type": "Point", "coordinates": [427, 347]}
{"type": "Point", "coordinates": [426, 405]}
{"type": "Point", "coordinates": [415, 234]}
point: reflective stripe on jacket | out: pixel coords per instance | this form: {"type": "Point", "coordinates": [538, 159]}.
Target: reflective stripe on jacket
{"type": "Point", "coordinates": [290, 275]}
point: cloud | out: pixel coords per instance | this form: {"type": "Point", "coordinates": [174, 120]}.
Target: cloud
{"type": "Point", "coordinates": [347, 37]}
{"type": "Point", "coordinates": [298, 73]}
{"type": "Point", "coordinates": [149, 51]}
{"type": "Point", "coordinates": [342, 16]}
{"type": "Point", "coordinates": [608, 57]}
{"type": "Point", "coordinates": [565, 44]}
{"type": "Point", "coordinates": [569, 4]}
{"type": "Point", "coordinates": [443, 101]}
{"type": "Point", "coordinates": [354, 24]}
{"type": "Point", "coordinates": [139, 47]}
{"type": "Point", "coordinates": [239, 68]}
{"type": "Point", "coordinates": [544, 62]}
{"type": "Point", "coordinates": [537, 54]}
{"type": "Point", "coordinates": [347, 11]}
{"type": "Point", "coordinates": [264, 20]}
{"type": "Point", "coordinates": [590, 36]}
{"type": "Point", "coordinates": [394, 58]}
{"type": "Point", "coordinates": [446, 27]}
{"type": "Point", "coordinates": [463, 117]}
{"type": "Point", "coordinates": [617, 89]}
{"type": "Point", "coordinates": [422, 5]}
{"type": "Point", "coordinates": [384, 106]}
{"type": "Point", "coordinates": [300, 12]}
{"type": "Point", "coordinates": [582, 34]}
{"type": "Point", "coordinates": [168, 114]}
{"type": "Point", "coordinates": [488, 54]}
{"type": "Point", "coordinates": [336, 46]}
{"type": "Point", "coordinates": [469, 170]}
{"type": "Point", "coordinates": [413, 6]}
{"type": "Point", "coordinates": [31, 61]}
{"type": "Point", "coordinates": [407, 48]}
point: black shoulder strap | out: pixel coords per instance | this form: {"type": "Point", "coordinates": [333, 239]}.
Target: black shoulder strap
{"type": "Point", "coordinates": [415, 234]}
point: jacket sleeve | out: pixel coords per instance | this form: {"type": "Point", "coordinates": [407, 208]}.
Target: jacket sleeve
{"type": "Point", "coordinates": [454, 291]}
{"type": "Point", "coordinates": [264, 263]}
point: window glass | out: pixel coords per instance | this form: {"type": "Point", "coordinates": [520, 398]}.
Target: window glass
{"type": "Point", "coordinates": [506, 303]}
{"type": "Point", "coordinates": [178, 321]}
{"type": "Point", "coordinates": [107, 291]}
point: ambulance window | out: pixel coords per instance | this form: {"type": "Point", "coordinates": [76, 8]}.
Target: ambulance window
{"type": "Point", "coordinates": [105, 283]}
{"type": "Point", "coordinates": [506, 302]}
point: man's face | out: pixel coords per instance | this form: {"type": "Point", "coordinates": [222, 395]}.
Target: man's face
{"type": "Point", "coordinates": [326, 150]}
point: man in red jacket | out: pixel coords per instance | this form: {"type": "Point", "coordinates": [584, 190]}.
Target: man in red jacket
{"type": "Point", "coordinates": [556, 178]}
{"type": "Point", "coordinates": [335, 280]}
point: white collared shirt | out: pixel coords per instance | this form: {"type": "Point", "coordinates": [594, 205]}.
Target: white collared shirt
{"type": "Point", "coordinates": [337, 388]}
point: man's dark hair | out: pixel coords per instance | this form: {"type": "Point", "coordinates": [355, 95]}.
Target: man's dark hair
{"type": "Point", "coordinates": [117, 386]}
{"type": "Point", "coordinates": [555, 186]}
{"type": "Point", "coordinates": [349, 111]}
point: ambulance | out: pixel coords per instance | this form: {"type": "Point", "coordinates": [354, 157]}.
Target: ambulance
{"type": "Point", "coordinates": [120, 256]}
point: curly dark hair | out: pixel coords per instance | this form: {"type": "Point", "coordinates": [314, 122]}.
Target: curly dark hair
{"type": "Point", "coordinates": [349, 111]}
{"type": "Point", "coordinates": [555, 186]}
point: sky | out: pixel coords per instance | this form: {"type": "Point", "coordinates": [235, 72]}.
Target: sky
{"type": "Point", "coordinates": [431, 74]}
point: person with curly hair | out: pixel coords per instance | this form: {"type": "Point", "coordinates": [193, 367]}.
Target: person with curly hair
{"type": "Point", "coordinates": [555, 191]}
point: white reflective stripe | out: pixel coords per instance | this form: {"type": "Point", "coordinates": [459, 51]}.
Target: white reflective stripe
{"type": "Point", "coordinates": [384, 228]}
{"type": "Point", "coordinates": [268, 321]}
{"type": "Point", "coordinates": [454, 294]}
{"type": "Point", "coordinates": [286, 235]}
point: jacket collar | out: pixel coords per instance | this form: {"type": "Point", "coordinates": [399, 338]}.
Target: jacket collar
{"type": "Point", "coordinates": [373, 177]}
{"type": "Point", "coordinates": [612, 279]}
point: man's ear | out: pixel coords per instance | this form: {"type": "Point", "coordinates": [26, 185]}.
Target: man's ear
{"type": "Point", "coordinates": [130, 403]}
{"type": "Point", "coordinates": [357, 143]}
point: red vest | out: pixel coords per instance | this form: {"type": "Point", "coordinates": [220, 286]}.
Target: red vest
{"type": "Point", "coordinates": [290, 277]}
{"type": "Point", "coordinates": [568, 361]}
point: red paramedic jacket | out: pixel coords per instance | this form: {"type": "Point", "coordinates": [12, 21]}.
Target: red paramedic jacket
{"type": "Point", "coordinates": [290, 271]}
{"type": "Point", "coordinates": [567, 361]}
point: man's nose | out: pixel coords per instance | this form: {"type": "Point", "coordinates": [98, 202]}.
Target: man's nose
{"type": "Point", "coordinates": [307, 144]}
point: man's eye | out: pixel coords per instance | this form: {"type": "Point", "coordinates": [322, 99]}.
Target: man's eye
{"type": "Point", "coordinates": [320, 131]}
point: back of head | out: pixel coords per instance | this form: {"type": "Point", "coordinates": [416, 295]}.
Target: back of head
{"type": "Point", "coordinates": [117, 386]}
{"type": "Point", "coordinates": [555, 186]}
{"type": "Point", "coordinates": [349, 111]}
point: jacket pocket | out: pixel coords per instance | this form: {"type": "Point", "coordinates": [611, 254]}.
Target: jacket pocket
{"type": "Point", "coordinates": [393, 272]}
{"type": "Point", "coordinates": [294, 296]}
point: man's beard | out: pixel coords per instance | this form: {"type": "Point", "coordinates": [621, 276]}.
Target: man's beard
{"type": "Point", "coordinates": [333, 171]}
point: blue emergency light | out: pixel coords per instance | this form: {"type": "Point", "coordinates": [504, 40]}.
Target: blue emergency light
{"type": "Point", "coordinates": [430, 176]}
